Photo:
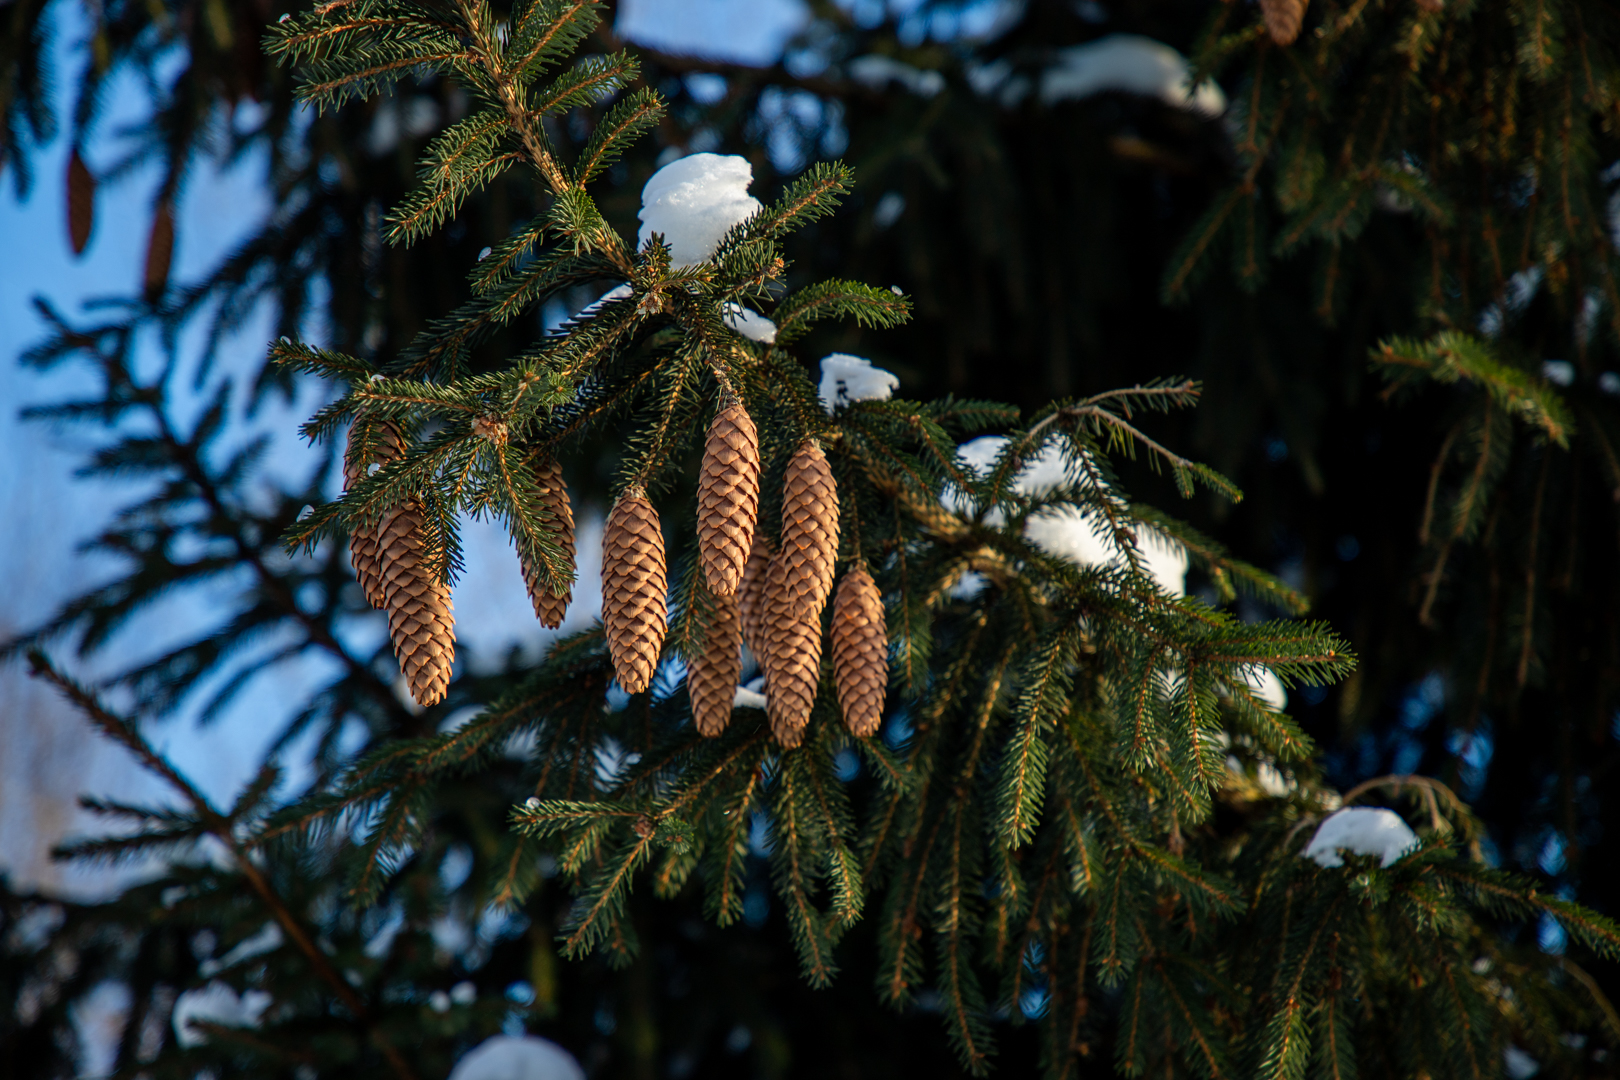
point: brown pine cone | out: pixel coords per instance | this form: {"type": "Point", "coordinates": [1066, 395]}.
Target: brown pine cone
{"type": "Point", "coordinates": [711, 676]}
{"type": "Point", "coordinates": [728, 498]}
{"type": "Point", "coordinates": [387, 444]}
{"type": "Point", "coordinates": [633, 585]}
{"type": "Point", "coordinates": [809, 531]}
{"type": "Point", "coordinates": [751, 595]}
{"type": "Point", "coordinates": [1283, 19]}
{"type": "Point", "coordinates": [860, 652]}
{"type": "Point", "coordinates": [550, 607]}
{"type": "Point", "coordinates": [792, 659]}
{"type": "Point", "coordinates": [418, 603]}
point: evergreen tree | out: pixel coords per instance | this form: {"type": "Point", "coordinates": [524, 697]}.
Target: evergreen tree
{"type": "Point", "coordinates": [1083, 834]}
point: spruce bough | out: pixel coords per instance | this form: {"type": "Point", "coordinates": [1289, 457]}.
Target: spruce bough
{"type": "Point", "coordinates": [1037, 830]}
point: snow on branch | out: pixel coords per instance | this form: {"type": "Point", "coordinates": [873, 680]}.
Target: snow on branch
{"type": "Point", "coordinates": [1131, 64]}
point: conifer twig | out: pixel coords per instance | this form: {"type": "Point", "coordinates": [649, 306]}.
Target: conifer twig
{"type": "Point", "coordinates": [488, 51]}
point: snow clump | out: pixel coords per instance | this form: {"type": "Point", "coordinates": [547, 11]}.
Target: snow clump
{"type": "Point", "coordinates": [846, 378]}
{"type": "Point", "coordinates": [1069, 532]}
{"type": "Point", "coordinates": [1133, 64]}
{"type": "Point", "coordinates": [694, 201]}
{"type": "Point", "coordinates": [750, 695]}
{"type": "Point", "coordinates": [876, 72]}
{"type": "Point", "coordinates": [1362, 831]}
{"type": "Point", "coordinates": [1518, 1064]}
{"type": "Point", "coordinates": [1559, 372]}
{"type": "Point", "coordinates": [618, 292]}
{"type": "Point", "coordinates": [268, 939]}
{"type": "Point", "coordinates": [517, 1057]}
{"type": "Point", "coordinates": [750, 324]}
{"type": "Point", "coordinates": [1266, 686]}
{"type": "Point", "coordinates": [216, 1003]}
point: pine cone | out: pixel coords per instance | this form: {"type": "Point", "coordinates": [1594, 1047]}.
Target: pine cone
{"type": "Point", "coordinates": [809, 531]}
{"type": "Point", "coordinates": [633, 585]}
{"type": "Point", "coordinates": [1283, 19]}
{"type": "Point", "coordinates": [418, 604]}
{"type": "Point", "coordinates": [711, 677]}
{"type": "Point", "coordinates": [860, 652]}
{"type": "Point", "coordinates": [728, 498]}
{"type": "Point", "coordinates": [751, 595]}
{"type": "Point", "coordinates": [387, 445]}
{"type": "Point", "coordinates": [550, 607]}
{"type": "Point", "coordinates": [792, 659]}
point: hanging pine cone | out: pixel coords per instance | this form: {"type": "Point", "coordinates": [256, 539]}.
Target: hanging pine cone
{"type": "Point", "coordinates": [418, 603]}
{"type": "Point", "coordinates": [751, 596]}
{"type": "Point", "coordinates": [387, 445]}
{"type": "Point", "coordinates": [633, 585]}
{"type": "Point", "coordinates": [792, 659]}
{"type": "Point", "coordinates": [1283, 19]}
{"type": "Point", "coordinates": [860, 652]}
{"type": "Point", "coordinates": [711, 676]}
{"type": "Point", "coordinates": [809, 531]}
{"type": "Point", "coordinates": [728, 498]}
{"type": "Point", "coordinates": [550, 607]}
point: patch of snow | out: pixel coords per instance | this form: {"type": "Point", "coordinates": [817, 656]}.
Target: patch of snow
{"type": "Point", "coordinates": [1133, 64]}
{"type": "Point", "coordinates": [750, 324]}
{"type": "Point", "coordinates": [1266, 775]}
{"type": "Point", "coordinates": [517, 1057]}
{"type": "Point", "coordinates": [268, 939]}
{"type": "Point", "coordinates": [888, 209]}
{"type": "Point", "coordinates": [216, 1003]}
{"type": "Point", "coordinates": [1164, 560]}
{"type": "Point", "coordinates": [421, 115]}
{"type": "Point", "coordinates": [694, 201]}
{"type": "Point", "coordinates": [1558, 372]}
{"type": "Point", "coordinates": [458, 719]}
{"type": "Point", "coordinates": [1522, 288]}
{"type": "Point", "coordinates": [1069, 532]}
{"type": "Point", "coordinates": [378, 944]}
{"type": "Point", "coordinates": [750, 695]}
{"type": "Point", "coordinates": [876, 72]}
{"type": "Point", "coordinates": [1518, 1064]}
{"type": "Point", "coordinates": [998, 80]}
{"type": "Point", "coordinates": [1272, 781]}
{"type": "Point", "coordinates": [969, 585]}
{"type": "Point", "coordinates": [618, 292]}
{"type": "Point", "coordinates": [1361, 830]}
{"type": "Point", "coordinates": [846, 378]}
{"type": "Point", "coordinates": [1266, 686]}
{"type": "Point", "coordinates": [986, 79]}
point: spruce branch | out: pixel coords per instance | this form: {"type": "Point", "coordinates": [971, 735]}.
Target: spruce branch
{"type": "Point", "coordinates": [223, 829]}
{"type": "Point", "coordinates": [1451, 358]}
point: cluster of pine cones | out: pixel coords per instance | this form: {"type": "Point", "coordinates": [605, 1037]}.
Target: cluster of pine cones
{"type": "Point", "coordinates": [771, 599]}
